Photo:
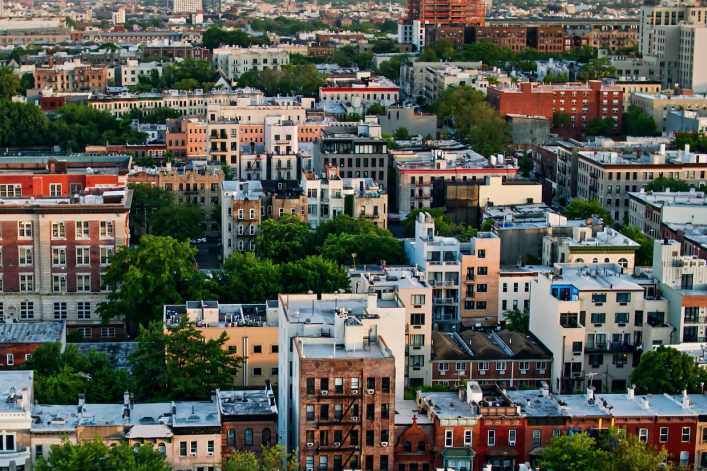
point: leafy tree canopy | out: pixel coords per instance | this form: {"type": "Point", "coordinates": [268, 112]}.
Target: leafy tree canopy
{"type": "Point", "coordinates": [662, 184]}
{"type": "Point", "coordinates": [157, 116]}
{"type": "Point", "coordinates": [667, 370]}
{"type": "Point", "coordinates": [696, 140]}
{"type": "Point", "coordinates": [289, 79]}
{"type": "Point", "coordinates": [579, 208]}
{"type": "Point", "coordinates": [284, 239]}
{"type": "Point", "coordinates": [314, 273]}
{"type": "Point", "coordinates": [444, 226]}
{"type": "Point", "coordinates": [644, 255]}
{"type": "Point", "coordinates": [272, 458]}
{"type": "Point", "coordinates": [246, 278]}
{"type": "Point", "coordinates": [179, 221]}
{"type": "Point", "coordinates": [636, 123]}
{"type": "Point", "coordinates": [517, 320]}
{"type": "Point", "coordinates": [601, 126]}
{"type": "Point", "coordinates": [215, 37]}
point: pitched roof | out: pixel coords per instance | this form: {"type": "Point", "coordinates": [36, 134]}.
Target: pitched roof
{"type": "Point", "coordinates": [483, 345]}
{"type": "Point", "coordinates": [446, 348]}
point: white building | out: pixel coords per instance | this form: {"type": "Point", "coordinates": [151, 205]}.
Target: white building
{"type": "Point", "coordinates": [412, 34]}
{"type": "Point", "coordinates": [649, 210]}
{"type": "Point", "coordinates": [608, 246]}
{"type": "Point", "coordinates": [128, 74]}
{"type": "Point", "coordinates": [237, 60]}
{"type": "Point", "coordinates": [596, 322]}
{"type": "Point", "coordinates": [119, 17]}
{"type": "Point", "coordinates": [186, 6]}
{"type": "Point", "coordinates": [325, 196]}
{"type": "Point", "coordinates": [515, 283]}
{"type": "Point", "coordinates": [281, 144]}
{"type": "Point", "coordinates": [16, 419]}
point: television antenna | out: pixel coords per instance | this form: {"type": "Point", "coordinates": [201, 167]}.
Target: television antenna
{"type": "Point", "coordinates": [591, 376]}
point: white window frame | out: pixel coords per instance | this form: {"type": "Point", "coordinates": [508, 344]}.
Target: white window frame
{"type": "Point", "coordinates": [83, 309]}
{"type": "Point", "coordinates": [643, 435]}
{"type": "Point", "coordinates": [660, 436]}
{"type": "Point", "coordinates": [58, 230]}
{"type": "Point", "coordinates": [484, 366]}
{"type": "Point", "coordinates": [28, 282]}
{"type": "Point", "coordinates": [58, 256]}
{"type": "Point", "coordinates": [84, 331]}
{"type": "Point", "coordinates": [61, 287]}
{"type": "Point", "coordinates": [23, 259]}
{"type": "Point", "coordinates": [81, 259]}
{"type": "Point", "coordinates": [537, 435]}
{"type": "Point", "coordinates": [512, 438]}
{"type": "Point", "coordinates": [24, 230]}
{"type": "Point", "coordinates": [682, 435]}
{"type": "Point", "coordinates": [55, 189]}
{"type": "Point", "coordinates": [499, 367]}
{"type": "Point", "coordinates": [467, 437]}
{"type": "Point", "coordinates": [82, 230]}
{"type": "Point", "coordinates": [107, 332]}
{"type": "Point", "coordinates": [10, 362]}
{"type": "Point", "coordinates": [460, 366]}
{"type": "Point", "coordinates": [83, 282]}
{"type": "Point", "coordinates": [448, 438]}
{"type": "Point", "coordinates": [109, 250]}
{"type": "Point", "coordinates": [107, 230]}
{"type": "Point", "coordinates": [491, 438]}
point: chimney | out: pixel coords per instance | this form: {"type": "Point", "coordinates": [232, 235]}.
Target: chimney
{"type": "Point", "coordinates": [687, 148]}
{"type": "Point", "coordinates": [174, 409]}
{"type": "Point", "coordinates": [631, 393]}
{"type": "Point", "coordinates": [25, 399]}
{"type": "Point", "coordinates": [685, 399]}
{"type": "Point", "coordinates": [545, 388]}
{"type": "Point", "coordinates": [82, 401]}
{"type": "Point", "coordinates": [644, 403]}
{"type": "Point", "coordinates": [126, 398]}
{"type": "Point", "coordinates": [213, 396]}
{"type": "Point", "coordinates": [590, 393]}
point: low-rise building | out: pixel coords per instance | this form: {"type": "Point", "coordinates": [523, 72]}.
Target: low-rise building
{"type": "Point", "coordinates": [237, 60]}
{"type": "Point", "coordinates": [248, 420]}
{"type": "Point", "coordinates": [412, 80]}
{"type": "Point", "coordinates": [382, 91]}
{"type": "Point", "coordinates": [685, 121]}
{"type": "Point", "coordinates": [659, 105]}
{"type": "Point", "coordinates": [585, 246]}
{"type": "Point", "coordinates": [515, 281]}
{"type": "Point", "coordinates": [422, 124]}
{"type": "Point", "coordinates": [72, 77]}
{"type": "Point", "coordinates": [129, 73]}
{"type": "Point", "coordinates": [19, 340]}
{"type": "Point", "coordinates": [648, 210]}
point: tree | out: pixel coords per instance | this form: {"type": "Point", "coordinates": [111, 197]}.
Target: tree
{"type": "Point", "coordinates": [344, 224]}
{"type": "Point", "coordinates": [526, 166]}
{"type": "Point", "coordinates": [402, 134]}
{"type": "Point", "coordinates": [582, 209]}
{"type": "Point", "coordinates": [517, 320]}
{"type": "Point", "coordinates": [628, 453]}
{"type": "Point", "coordinates": [560, 119]}
{"type": "Point", "coordinates": [241, 460]}
{"type": "Point", "coordinates": [179, 364]}
{"type": "Point", "coordinates": [576, 452]}
{"type": "Point", "coordinates": [375, 109]}
{"type": "Point", "coordinates": [597, 69]}
{"type": "Point", "coordinates": [158, 271]}
{"type": "Point", "coordinates": [667, 370]}
{"type": "Point", "coordinates": [9, 83]}
{"type": "Point", "coordinates": [69, 22]}
{"type": "Point", "coordinates": [636, 123]}
{"type": "Point", "coordinates": [696, 140]}
{"type": "Point", "coordinates": [284, 239]}
{"type": "Point", "coordinates": [26, 82]}
{"type": "Point", "coordinates": [275, 455]}
{"type": "Point", "coordinates": [444, 226]}
{"type": "Point", "coordinates": [157, 116]}
{"type": "Point", "coordinates": [391, 67]}
{"type": "Point", "coordinates": [353, 117]}
{"type": "Point", "coordinates": [601, 126]}
{"type": "Point", "coordinates": [662, 184]}
{"type": "Point", "coordinates": [314, 273]}
{"type": "Point", "coordinates": [147, 200]}
{"type": "Point", "coordinates": [644, 255]}
{"type": "Point", "coordinates": [247, 279]}
{"type": "Point", "coordinates": [181, 221]}
{"type": "Point", "coordinates": [370, 248]}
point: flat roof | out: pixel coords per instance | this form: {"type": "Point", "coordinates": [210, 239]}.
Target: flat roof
{"type": "Point", "coordinates": [320, 351]}
{"type": "Point", "coordinates": [448, 405]}
{"type": "Point", "coordinates": [594, 277]}
{"type": "Point", "coordinates": [54, 418]}
{"type": "Point", "coordinates": [407, 409]}
{"type": "Point", "coordinates": [256, 402]}
{"type": "Point", "coordinates": [31, 332]}
{"type": "Point", "coordinates": [300, 309]}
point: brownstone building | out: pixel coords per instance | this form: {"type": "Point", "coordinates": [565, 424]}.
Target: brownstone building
{"type": "Point", "coordinates": [72, 77]}
{"type": "Point", "coordinates": [248, 420]}
{"type": "Point", "coordinates": [512, 37]}
{"type": "Point", "coordinates": [345, 404]}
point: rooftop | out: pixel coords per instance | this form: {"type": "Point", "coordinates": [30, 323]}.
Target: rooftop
{"type": "Point", "coordinates": [607, 238]}
{"type": "Point", "coordinates": [13, 382]}
{"type": "Point", "coordinates": [593, 277]}
{"type": "Point", "coordinates": [670, 198]}
{"type": "Point", "coordinates": [306, 309]}
{"type": "Point", "coordinates": [97, 197]}
{"type": "Point", "coordinates": [54, 418]}
{"type": "Point", "coordinates": [401, 277]}
{"type": "Point", "coordinates": [406, 410]}
{"type": "Point", "coordinates": [330, 350]}
{"type": "Point", "coordinates": [31, 332]}
{"type": "Point", "coordinates": [447, 405]}
{"type": "Point", "coordinates": [241, 403]}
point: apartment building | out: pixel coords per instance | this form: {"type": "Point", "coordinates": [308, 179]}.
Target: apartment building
{"type": "Point", "coordinates": [438, 80]}
{"type": "Point", "coordinates": [609, 176]}
{"type": "Point", "coordinates": [129, 73]}
{"type": "Point", "coordinates": [593, 318]}
{"type": "Point", "coordinates": [174, 49]}
{"type": "Point", "coordinates": [659, 105]}
{"type": "Point", "coordinates": [412, 74]}
{"type": "Point", "coordinates": [55, 249]}
{"type": "Point", "coordinates": [418, 123]}
{"type": "Point", "coordinates": [19, 340]}
{"type": "Point", "coordinates": [245, 205]}
{"type": "Point", "coordinates": [586, 246]}
{"type": "Point", "coordinates": [16, 419]}
{"type": "Point", "coordinates": [383, 92]}
{"type": "Point", "coordinates": [416, 171]}
{"type": "Point", "coordinates": [249, 335]}
{"type": "Point", "coordinates": [252, 111]}
{"type": "Point", "coordinates": [359, 152]}
{"type": "Point", "coordinates": [236, 60]}
{"type": "Point", "coordinates": [185, 6]}
{"type": "Point", "coordinates": [480, 265]}
{"type": "Point", "coordinates": [685, 121]}
{"type": "Point", "coordinates": [187, 138]}
{"type": "Point", "coordinates": [72, 77]}
{"type": "Point", "coordinates": [355, 343]}
{"type": "Point", "coordinates": [248, 420]}
{"type": "Point", "coordinates": [515, 282]}
{"type": "Point", "coordinates": [691, 237]}
{"type": "Point", "coordinates": [683, 282]}
{"type": "Point", "coordinates": [651, 210]}
{"type": "Point", "coordinates": [223, 144]}
{"type": "Point", "coordinates": [583, 102]}
{"type": "Point", "coordinates": [409, 282]}
{"type": "Point", "coordinates": [505, 358]}
{"type": "Point", "coordinates": [668, 13]}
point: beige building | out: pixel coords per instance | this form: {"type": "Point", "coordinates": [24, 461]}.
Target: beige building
{"type": "Point", "coordinates": [412, 80]}
{"type": "Point", "coordinates": [639, 86]}
{"type": "Point", "coordinates": [246, 113]}
{"type": "Point", "coordinates": [608, 246]}
{"type": "Point", "coordinates": [237, 60]}
{"type": "Point", "coordinates": [249, 335]}
{"type": "Point", "coordinates": [223, 144]}
{"type": "Point", "coordinates": [410, 285]}
{"type": "Point", "coordinates": [660, 105]}
{"type": "Point", "coordinates": [436, 79]}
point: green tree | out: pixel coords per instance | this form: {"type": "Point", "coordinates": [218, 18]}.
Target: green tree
{"type": "Point", "coordinates": [644, 255]}
{"type": "Point", "coordinates": [696, 140]}
{"type": "Point", "coordinates": [9, 83]}
{"type": "Point", "coordinates": [314, 273]}
{"type": "Point", "coordinates": [375, 109]}
{"type": "Point", "coordinates": [601, 126]}
{"type": "Point", "coordinates": [560, 119]}
{"type": "Point", "coordinates": [26, 82]}
{"type": "Point", "coordinates": [370, 248]}
{"type": "Point", "coordinates": [636, 123]}
{"type": "Point", "coordinates": [391, 67]}
{"type": "Point", "coordinates": [628, 453]}
{"type": "Point", "coordinates": [579, 208]}
{"type": "Point", "coordinates": [273, 456]}
{"type": "Point", "coordinates": [227, 172]}
{"type": "Point", "coordinates": [597, 69]}
{"type": "Point", "coordinates": [284, 239]}
{"type": "Point", "coordinates": [158, 271]}
{"type": "Point", "coordinates": [667, 370]}
{"type": "Point", "coordinates": [240, 460]}
{"type": "Point", "coordinates": [147, 200]}
{"type": "Point", "coordinates": [402, 134]}
{"type": "Point", "coordinates": [345, 224]}
{"type": "Point", "coordinates": [248, 279]}
{"type": "Point", "coordinates": [662, 184]}
{"type": "Point", "coordinates": [95, 455]}
{"type": "Point", "coordinates": [517, 320]}
{"type": "Point", "coordinates": [576, 452]}
{"type": "Point", "coordinates": [70, 23]}
{"type": "Point", "coordinates": [526, 166]}
{"type": "Point", "coordinates": [158, 116]}
{"type": "Point", "coordinates": [353, 117]}
{"type": "Point", "coordinates": [181, 221]}
{"type": "Point", "coordinates": [179, 364]}
{"type": "Point", "coordinates": [444, 226]}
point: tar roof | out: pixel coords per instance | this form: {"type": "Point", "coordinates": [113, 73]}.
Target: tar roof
{"type": "Point", "coordinates": [448, 405]}
{"type": "Point", "coordinates": [31, 332]}
{"type": "Point", "coordinates": [258, 402]}
{"type": "Point", "coordinates": [318, 350]}
{"type": "Point", "coordinates": [483, 345]}
{"type": "Point", "coordinates": [54, 418]}
{"type": "Point", "coordinates": [13, 382]}
{"type": "Point", "coordinates": [593, 277]}
{"type": "Point", "coordinates": [303, 309]}
{"type": "Point", "coordinates": [524, 346]}
{"type": "Point", "coordinates": [406, 410]}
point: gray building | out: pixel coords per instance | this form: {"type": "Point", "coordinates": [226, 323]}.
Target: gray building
{"type": "Point", "coordinates": [418, 123]}
{"type": "Point", "coordinates": [358, 151]}
{"type": "Point", "coordinates": [529, 130]}
{"type": "Point", "coordinates": [685, 121]}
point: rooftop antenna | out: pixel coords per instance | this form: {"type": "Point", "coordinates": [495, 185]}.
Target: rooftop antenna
{"type": "Point", "coordinates": [591, 376]}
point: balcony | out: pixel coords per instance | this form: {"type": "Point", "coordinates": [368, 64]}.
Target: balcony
{"type": "Point", "coordinates": [695, 320]}
{"type": "Point", "coordinates": [445, 301]}
{"type": "Point", "coordinates": [442, 284]}
{"type": "Point", "coordinates": [610, 347]}
{"type": "Point", "coordinates": [445, 317]}
{"type": "Point", "coordinates": [690, 338]}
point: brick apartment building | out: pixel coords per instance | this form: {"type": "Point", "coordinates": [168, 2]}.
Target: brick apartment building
{"type": "Point", "coordinates": [512, 37]}
{"type": "Point", "coordinates": [248, 420]}
{"type": "Point", "coordinates": [18, 340]}
{"type": "Point", "coordinates": [583, 102]}
{"type": "Point", "coordinates": [72, 77]}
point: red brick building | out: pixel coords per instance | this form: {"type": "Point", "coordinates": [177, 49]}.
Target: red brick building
{"type": "Point", "coordinates": [582, 102]}
{"type": "Point", "coordinates": [72, 77]}
{"type": "Point", "coordinates": [413, 448]}
{"type": "Point", "coordinates": [546, 39]}
{"type": "Point", "coordinates": [248, 420]}
{"type": "Point", "coordinates": [19, 339]}
{"type": "Point", "coordinates": [512, 37]}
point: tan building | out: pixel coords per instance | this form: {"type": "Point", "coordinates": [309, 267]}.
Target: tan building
{"type": "Point", "coordinates": [631, 87]}
{"type": "Point", "coordinates": [480, 275]}
{"type": "Point", "coordinates": [247, 114]}
{"type": "Point", "coordinates": [72, 77]}
{"type": "Point", "coordinates": [608, 246]}
{"type": "Point", "coordinates": [249, 335]}
{"type": "Point", "coordinates": [659, 105]}
{"type": "Point", "coordinates": [412, 80]}
{"type": "Point", "coordinates": [187, 138]}
{"type": "Point", "coordinates": [223, 144]}
{"type": "Point", "coordinates": [369, 201]}
{"type": "Point", "coordinates": [196, 183]}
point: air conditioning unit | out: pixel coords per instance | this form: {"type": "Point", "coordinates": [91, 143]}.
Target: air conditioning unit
{"type": "Point", "coordinates": [442, 372]}
{"type": "Point", "coordinates": [370, 391]}
{"type": "Point", "coordinates": [523, 372]}
{"type": "Point", "coordinates": [384, 443]}
{"type": "Point", "coordinates": [324, 392]}
{"type": "Point", "coordinates": [354, 391]}
{"type": "Point", "coordinates": [502, 372]}
{"type": "Point", "coordinates": [337, 443]}
{"type": "Point", "coordinates": [482, 372]}
{"type": "Point", "coordinates": [310, 444]}
{"type": "Point", "coordinates": [209, 453]}
{"type": "Point", "coordinates": [192, 454]}
{"type": "Point", "coordinates": [511, 443]}
{"type": "Point", "coordinates": [542, 372]}
{"type": "Point", "coordinates": [354, 417]}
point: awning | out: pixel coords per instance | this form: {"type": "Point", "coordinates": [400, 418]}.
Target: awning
{"type": "Point", "coordinates": [458, 453]}
{"type": "Point", "coordinates": [537, 451]}
{"type": "Point", "coordinates": [501, 452]}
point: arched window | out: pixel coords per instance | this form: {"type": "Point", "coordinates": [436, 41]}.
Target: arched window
{"type": "Point", "coordinates": [606, 260]}
{"type": "Point", "coordinates": [407, 447]}
{"type": "Point", "coordinates": [231, 437]}
{"type": "Point", "coordinates": [421, 447]}
{"type": "Point", "coordinates": [596, 260]}
{"type": "Point", "coordinates": [623, 262]}
{"type": "Point", "coordinates": [162, 449]}
{"type": "Point", "coordinates": [248, 436]}
{"type": "Point", "coordinates": [580, 260]}
{"type": "Point", "coordinates": [266, 436]}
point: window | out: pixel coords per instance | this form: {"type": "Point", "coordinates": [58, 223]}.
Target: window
{"type": "Point", "coordinates": [501, 366]}
{"type": "Point", "coordinates": [623, 297]}
{"type": "Point", "coordinates": [598, 318]}
{"type": "Point", "coordinates": [467, 438]}
{"type": "Point", "coordinates": [481, 253]}
{"type": "Point", "coordinates": [385, 411]}
{"type": "Point", "coordinates": [596, 359]}
{"type": "Point", "coordinates": [417, 361]}
{"type": "Point", "coordinates": [25, 229]}
{"type": "Point", "coordinates": [369, 439]}
{"type": "Point", "coordinates": [663, 434]}
{"type": "Point", "coordinates": [257, 371]}
{"type": "Point", "coordinates": [38, 451]}
{"type": "Point", "coordinates": [10, 359]}
{"type": "Point", "coordinates": [55, 189]}
{"type": "Point", "coordinates": [482, 271]}
{"type": "Point", "coordinates": [58, 230]}
{"type": "Point", "coordinates": [231, 437]}
{"type": "Point", "coordinates": [576, 347]}
{"type": "Point", "coordinates": [385, 385]}
{"type": "Point", "coordinates": [686, 434]}
{"type": "Point", "coordinates": [418, 299]}
{"type": "Point", "coordinates": [339, 385]}
{"type": "Point", "coordinates": [106, 229]}
{"type": "Point", "coordinates": [599, 297]}
{"type": "Point", "coordinates": [59, 283]}
{"type": "Point", "coordinates": [107, 332]}
{"type": "Point", "coordinates": [248, 436]}
{"type": "Point", "coordinates": [310, 412]}
{"type": "Point", "coordinates": [25, 255]}
{"type": "Point", "coordinates": [621, 317]}
{"type": "Point", "coordinates": [417, 340]}
{"type": "Point", "coordinates": [417, 319]}
{"type": "Point", "coordinates": [83, 256]}
{"type": "Point", "coordinates": [461, 367]}
{"type": "Point", "coordinates": [58, 256]}
{"type": "Point", "coordinates": [643, 435]}
{"type": "Point", "coordinates": [492, 438]}
{"type": "Point", "coordinates": [620, 359]}
{"type": "Point", "coordinates": [26, 282]}
{"type": "Point", "coordinates": [86, 332]}
{"type": "Point", "coordinates": [536, 437]}
{"type": "Point", "coordinates": [83, 282]}
{"type": "Point", "coordinates": [182, 448]}
{"type": "Point", "coordinates": [82, 229]}
{"type": "Point", "coordinates": [448, 438]}
{"type": "Point", "coordinates": [638, 318]}
{"type": "Point", "coordinates": [257, 349]}
{"type": "Point", "coordinates": [505, 287]}
{"type": "Point", "coordinates": [106, 252]}
{"type": "Point", "coordinates": [193, 448]}
{"type": "Point", "coordinates": [310, 386]}
{"type": "Point", "coordinates": [684, 458]}
{"type": "Point", "coordinates": [83, 310]}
